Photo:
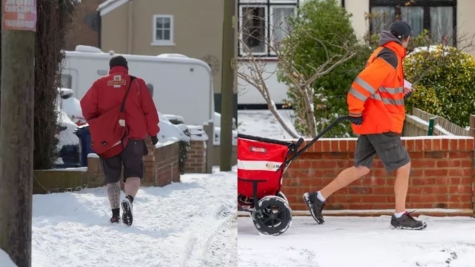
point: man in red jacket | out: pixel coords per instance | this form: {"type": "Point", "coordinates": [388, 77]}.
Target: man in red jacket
{"type": "Point", "coordinates": [141, 118]}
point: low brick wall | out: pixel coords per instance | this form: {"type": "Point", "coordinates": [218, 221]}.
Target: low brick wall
{"type": "Point", "coordinates": [161, 167]}
{"type": "Point", "coordinates": [441, 176]}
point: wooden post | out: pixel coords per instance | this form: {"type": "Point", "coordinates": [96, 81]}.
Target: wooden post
{"type": "Point", "coordinates": [16, 130]}
{"type": "Point", "coordinates": [209, 130]}
{"type": "Point", "coordinates": [430, 129]}
{"type": "Point", "coordinates": [227, 83]}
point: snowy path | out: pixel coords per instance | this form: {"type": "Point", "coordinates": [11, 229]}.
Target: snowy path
{"type": "Point", "coordinates": [360, 242]}
{"type": "Point", "coordinates": [263, 123]}
{"type": "Point", "coordinates": [188, 224]}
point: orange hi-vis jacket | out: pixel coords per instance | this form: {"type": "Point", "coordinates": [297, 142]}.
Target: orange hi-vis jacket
{"type": "Point", "coordinates": [377, 93]}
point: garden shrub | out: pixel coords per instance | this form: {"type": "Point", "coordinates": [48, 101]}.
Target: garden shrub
{"type": "Point", "coordinates": [444, 79]}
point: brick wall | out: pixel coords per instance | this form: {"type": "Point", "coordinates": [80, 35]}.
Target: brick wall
{"type": "Point", "coordinates": [81, 32]}
{"type": "Point", "coordinates": [161, 167]}
{"type": "Point", "coordinates": [441, 176]}
{"type": "Point", "coordinates": [196, 159]}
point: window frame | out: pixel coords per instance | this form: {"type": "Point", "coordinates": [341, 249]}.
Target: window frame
{"type": "Point", "coordinates": [426, 5]}
{"type": "Point", "coordinates": [268, 5]}
{"type": "Point", "coordinates": [156, 42]}
{"type": "Point", "coordinates": [271, 21]}
{"type": "Point", "coordinates": [266, 28]}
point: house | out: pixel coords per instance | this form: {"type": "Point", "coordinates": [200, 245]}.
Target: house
{"type": "Point", "coordinates": [84, 28]}
{"type": "Point", "coordinates": [150, 27]}
{"type": "Point", "coordinates": [450, 21]}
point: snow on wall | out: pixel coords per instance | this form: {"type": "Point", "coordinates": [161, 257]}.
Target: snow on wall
{"type": "Point", "coordinates": [197, 133]}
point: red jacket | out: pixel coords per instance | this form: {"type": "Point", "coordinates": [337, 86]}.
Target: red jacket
{"type": "Point", "coordinates": [141, 116]}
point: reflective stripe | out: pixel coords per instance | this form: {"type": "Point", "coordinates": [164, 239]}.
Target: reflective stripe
{"type": "Point", "coordinates": [392, 91]}
{"type": "Point", "coordinates": [389, 101]}
{"type": "Point", "coordinates": [357, 94]}
{"type": "Point", "coordinates": [365, 85]}
{"type": "Point", "coordinates": [256, 165]}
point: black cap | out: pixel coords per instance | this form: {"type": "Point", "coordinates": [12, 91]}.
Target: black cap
{"type": "Point", "coordinates": [118, 61]}
{"type": "Point", "coordinates": [400, 29]}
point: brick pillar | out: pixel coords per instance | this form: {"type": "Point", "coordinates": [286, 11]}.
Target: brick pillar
{"type": "Point", "coordinates": [196, 159]}
{"type": "Point", "coordinates": [95, 175]}
{"type": "Point", "coordinates": [149, 178]}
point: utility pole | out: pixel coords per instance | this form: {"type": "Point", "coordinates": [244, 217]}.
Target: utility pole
{"type": "Point", "coordinates": [227, 83]}
{"type": "Point", "coordinates": [16, 128]}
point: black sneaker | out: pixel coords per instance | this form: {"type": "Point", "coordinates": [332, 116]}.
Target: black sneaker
{"type": "Point", "coordinates": [315, 206]}
{"type": "Point", "coordinates": [115, 219]}
{"type": "Point", "coordinates": [407, 222]}
{"type": "Point", "coordinates": [127, 209]}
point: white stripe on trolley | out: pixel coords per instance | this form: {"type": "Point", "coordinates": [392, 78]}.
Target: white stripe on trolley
{"type": "Point", "coordinates": [257, 165]}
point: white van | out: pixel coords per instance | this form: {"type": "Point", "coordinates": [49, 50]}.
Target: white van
{"type": "Point", "coordinates": [179, 85]}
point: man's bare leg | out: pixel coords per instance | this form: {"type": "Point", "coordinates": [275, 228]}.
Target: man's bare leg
{"type": "Point", "coordinates": [401, 218]}
{"type": "Point", "coordinates": [401, 185]}
{"type": "Point", "coordinates": [113, 192]}
{"type": "Point", "coordinates": [132, 186]}
{"type": "Point", "coordinates": [343, 179]}
{"type": "Point", "coordinates": [316, 201]}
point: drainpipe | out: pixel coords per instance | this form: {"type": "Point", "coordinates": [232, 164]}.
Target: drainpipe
{"type": "Point", "coordinates": [343, 3]}
{"type": "Point", "coordinates": [99, 29]}
{"type": "Point", "coordinates": [130, 30]}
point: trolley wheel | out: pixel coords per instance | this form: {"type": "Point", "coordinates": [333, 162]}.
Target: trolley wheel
{"type": "Point", "coordinates": [273, 216]}
{"type": "Point", "coordinates": [281, 194]}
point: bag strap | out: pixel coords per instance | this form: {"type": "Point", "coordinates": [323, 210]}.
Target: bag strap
{"type": "Point", "coordinates": [122, 106]}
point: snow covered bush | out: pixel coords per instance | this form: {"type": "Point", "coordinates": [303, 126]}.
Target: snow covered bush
{"type": "Point", "coordinates": [444, 82]}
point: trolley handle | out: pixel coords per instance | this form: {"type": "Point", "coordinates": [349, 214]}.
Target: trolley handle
{"type": "Point", "coordinates": [298, 144]}
{"type": "Point", "coordinates": [315, 139]}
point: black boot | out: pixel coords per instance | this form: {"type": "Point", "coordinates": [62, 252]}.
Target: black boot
{"type": "Point", "coordinates": [127, 210]}
{"type": "Point", "coordinates": [115, 216]}
{"type": "Point", "coordinates": [407, 222]}
{"type": "Point", "coordinates": [315, 206]}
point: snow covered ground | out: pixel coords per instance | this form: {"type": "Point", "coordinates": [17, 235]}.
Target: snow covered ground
{"type": "Point", "coordinates": [192, 223]}
{"type": "Point", "coordinates": [263, 123]}
{"type": "Point", "coordinates": [360, 242]}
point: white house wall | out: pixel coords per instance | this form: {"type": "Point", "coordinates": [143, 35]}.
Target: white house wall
{"type": "Point", "coordinates": [247, 94]}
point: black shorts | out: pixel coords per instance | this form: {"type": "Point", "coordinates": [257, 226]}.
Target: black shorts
{"type": "Point", "coordinates": [131, 158]}
{"type": "Point", "coordinates": [388, 146]}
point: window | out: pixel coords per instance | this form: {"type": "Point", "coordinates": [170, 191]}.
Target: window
{"type": "Point", "coordinates": [436, 16]}
{"type": "Point", "coordinates": [263, 25]}
{"type": "Point", "coordinates": [162, 30]}
{"type": "Point", "coordinates": [66, 81]}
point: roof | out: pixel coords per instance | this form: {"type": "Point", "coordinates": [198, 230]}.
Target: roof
{"type": "Point", "coordinates": [110, 5]}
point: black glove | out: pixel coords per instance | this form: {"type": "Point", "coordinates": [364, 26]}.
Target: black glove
{"type": "Point", "coordinates": [356, 120]}
{"type": "Point", "coordinates": [406, 96]}
{"type": "Point", "coordinates": [154, 140]}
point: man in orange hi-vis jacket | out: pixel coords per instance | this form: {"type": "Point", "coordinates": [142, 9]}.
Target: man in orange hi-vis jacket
{"type": "Point", "coordinates": [376, 109]}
